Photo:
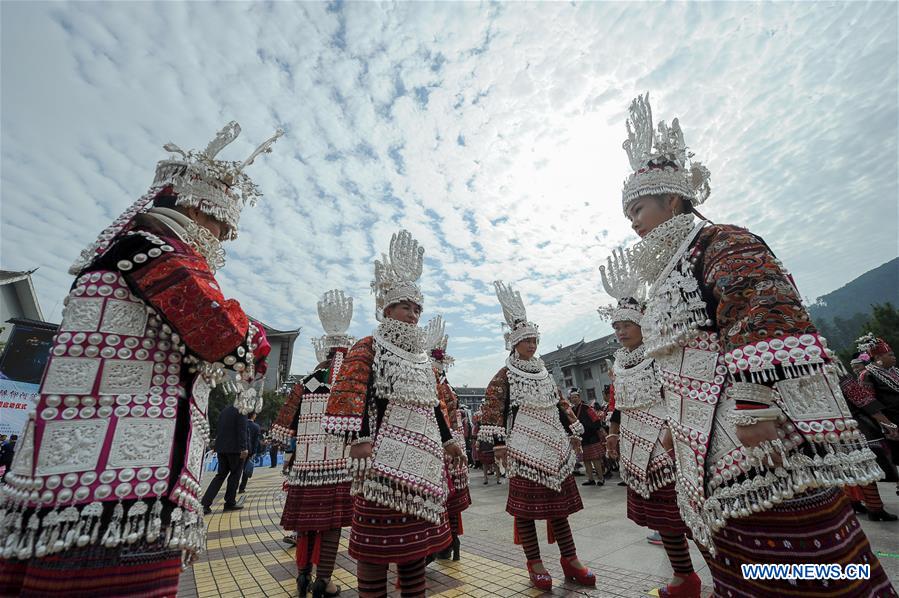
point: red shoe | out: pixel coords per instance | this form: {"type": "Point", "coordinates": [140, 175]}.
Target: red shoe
{"type": "Point", "coordinates": [541, 581]}
{"type": "Point", "coordinates": [691, 587]}
{"type": "Point", "coordinates": [583, 576]}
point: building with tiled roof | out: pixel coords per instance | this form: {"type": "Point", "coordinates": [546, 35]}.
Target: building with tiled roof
{"type": "Point", "coordinates": [583, 364]}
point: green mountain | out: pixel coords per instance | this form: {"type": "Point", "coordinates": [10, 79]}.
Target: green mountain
{"type": "Point", "coordinates": [842, 313]}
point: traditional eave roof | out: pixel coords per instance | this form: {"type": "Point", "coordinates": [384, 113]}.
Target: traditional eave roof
{"type": "Point", "coordinates": [287, 338]}
{"type": "Point", "coordinates": [470, 391]}
{"type": "Point", "coordinates": [270, 332]}
{"type": "Point", "coordinates": [39, 324]}
{"type": "Point", "coordinates": [10, 276]}
{"type": "Point", "coordinates": [581, 352]}
{"type": "Point", "coordinates": [22, 279]}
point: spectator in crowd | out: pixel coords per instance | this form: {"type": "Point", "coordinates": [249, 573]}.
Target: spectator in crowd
{"type": "Point", "coordinates": [487, 459]}
{"type": "Point", "coordinates": [473, 439]}
{"type": "Point", "coordinates": [466, 431]}
{"type": "Point", "coordinates": [7, 451]}
{"type": "Point", "coordinates": [231, 445]}
{"type": "Point", "coordinates": [593, 447]}
{"type": "Point", "coordinates": [273, 453]}
{"type": "Point", "coordinates": [254, 434]}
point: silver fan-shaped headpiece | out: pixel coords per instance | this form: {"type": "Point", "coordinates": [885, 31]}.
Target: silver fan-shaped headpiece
{"type": "Point", "coordinates": [335, 310]}
{"type": "Point", "coordinates": [620, 280]}
{"type": "Point", "coordinates": [396, 274]}
{"type": "Point", "coordinates": [436, 342]}
{"type": "Point", "coordinates": [515, 315]}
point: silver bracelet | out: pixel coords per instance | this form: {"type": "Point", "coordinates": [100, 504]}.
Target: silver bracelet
{"type": "Point", "coordinates": [449, 442]}
{"type": "Point", "coordinates": [750, 417]}
{"type": "Point", "coordinates": [755, 393]}
{"type": "Point", "coordinates": [577, 428]}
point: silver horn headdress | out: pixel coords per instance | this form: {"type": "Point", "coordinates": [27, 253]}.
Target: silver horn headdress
{"type": "Point", "coordinates": [659, 159]}
{"type": "Point", "coordinates": [218, 188]}
{"type": "Point", "coordinates": [515, 315]}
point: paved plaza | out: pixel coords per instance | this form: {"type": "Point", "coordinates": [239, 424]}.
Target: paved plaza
{"type": "Point", "coordinates": [246, 556]}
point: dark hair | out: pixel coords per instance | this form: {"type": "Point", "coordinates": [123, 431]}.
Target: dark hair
{"type": "Point", "coordinates": [165, 200]}
{"type": "Point", "coordinates": [686, 207]}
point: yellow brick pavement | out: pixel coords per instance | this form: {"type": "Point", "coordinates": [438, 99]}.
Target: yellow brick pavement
{"type": "Point", "coordinates": [246, 557]}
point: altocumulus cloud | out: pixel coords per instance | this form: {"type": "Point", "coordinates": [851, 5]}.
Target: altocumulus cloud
{"type": "Point", "coordinates": [491, 131]}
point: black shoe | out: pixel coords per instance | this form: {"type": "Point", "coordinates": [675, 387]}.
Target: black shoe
{"type": "Point", "coordinates": [303, 579]}
{"type": "Point", "coordinates": [207, 510]}
{"type": "Point", "coordinates": [601, 483]}
{"type": "Point", "coordinates": [588, 483]}
{"type": "Point", "coordinates": [290, 540]}
{"type": "Point", "coordinates": [234, 507]}
{"type": "Point", "coordinates": [456, 545]}
{"type": "Point", "coordinates": [486, 482]}
{"type": "Point", "coordinates": [444, 555]}
{"type": "Point", "coordinates": [622, 483]}
{"type": "Point", "coordinates": [320, 589]}
{"type": "Point", "coordinates": [241, 491]}
{"type": "Point", "coordinates": [881, 516]}
{"type": "Point", "coordinates": [859, 507]}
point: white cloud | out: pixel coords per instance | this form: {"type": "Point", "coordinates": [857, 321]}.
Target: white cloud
{"type": "Point", "coordinates": [493, 132]}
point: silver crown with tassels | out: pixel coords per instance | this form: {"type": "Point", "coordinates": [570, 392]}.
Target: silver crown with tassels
{"type": "Point", "coordinates": [659, 159]}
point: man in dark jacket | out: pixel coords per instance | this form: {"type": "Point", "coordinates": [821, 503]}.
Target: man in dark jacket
{"type": "Point", "coordinates": [254, 434]}
{"type": "Point", "coordinates": [7, 452]}
{"type": "Point", "coordinates": [231, 446]}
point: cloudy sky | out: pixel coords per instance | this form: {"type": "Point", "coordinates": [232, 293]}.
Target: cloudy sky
{"type": "Point", "coordinates": [491, 131]}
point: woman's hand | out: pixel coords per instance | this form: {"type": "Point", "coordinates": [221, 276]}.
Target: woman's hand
{"type": "Point", "coordinates": [499, 452]}
{"type": "Point", "coordinates": [612, 446]}
{"type": "Point", "coordinates": [454, 451]}
{"type": "Point", "coordinates": [667, 442]}
{"type": "Point", "coordinates": [361, 451]}
{"type": "Point", "coordinates": [575, 442]}
{"type": "Point", "coordinates": [757, 433]}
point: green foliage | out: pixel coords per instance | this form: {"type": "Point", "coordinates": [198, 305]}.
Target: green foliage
{"type": "Point", "coordinates": [842, 315]}
{"type": "Point", "coordinates": [272, 402]}
{"type": "Point", "coordinates": [841, 333]}
{"type": "Point", "coordinates": [882, 322]}
{"type": "Point", "coordinates": [876, 286]}
{"type": "Point", "coordinates": [218, 400]}
{"type": "Point", "coordinates": [885, 323]}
